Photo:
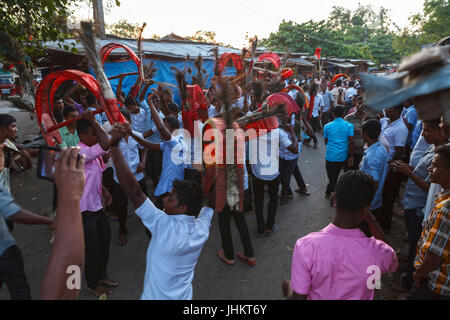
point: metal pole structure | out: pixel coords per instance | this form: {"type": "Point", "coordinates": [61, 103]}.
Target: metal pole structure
{"type": "Point", "coordinates": [99, 18]}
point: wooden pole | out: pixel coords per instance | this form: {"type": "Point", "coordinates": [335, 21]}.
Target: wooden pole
{"type": "Point", "coordinates": [99, 18]}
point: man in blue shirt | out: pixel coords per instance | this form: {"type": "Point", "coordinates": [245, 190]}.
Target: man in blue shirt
{"type": "Point", "coordinates": [173, 149]}
{"type": "Point", "coordinates": [416, 192]}
{"type": "Point", "coordinates": [338, 137]}
{"type": "Point", "coordinates": [374, 162]}
{"type": "Point", "coordinates": [410, 122]}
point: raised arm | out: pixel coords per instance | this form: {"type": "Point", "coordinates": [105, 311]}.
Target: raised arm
{"type": "Point", "coordinates": [163, 131]}
{"type": "Point", "coordinates": [102, 136]}
{"type": "Point", "coordinates": [145, 143]}
{"type": "Point", "coordinates": [144, 89]}
{"type": "Point", "coordinates": [126, 178]}
{"type": "Point", "coordinates": [68, 249]}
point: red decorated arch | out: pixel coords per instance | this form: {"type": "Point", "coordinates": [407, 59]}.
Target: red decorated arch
{"type": "Point", "coordinates": [108, 48]}
{"type": "Point", "coordinates": [224, 58]}
{"type": "Point", "coordinates": [272, 57]}
{"type": "Point", "coordinates": [45, 95]}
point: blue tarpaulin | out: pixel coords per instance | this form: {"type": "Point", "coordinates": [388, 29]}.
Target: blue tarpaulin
{"type": "Point", "coordinates": [163, 73]}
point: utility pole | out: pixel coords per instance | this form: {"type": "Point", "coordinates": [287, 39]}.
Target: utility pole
{"type": "Point", "coordinates": [99, 18]}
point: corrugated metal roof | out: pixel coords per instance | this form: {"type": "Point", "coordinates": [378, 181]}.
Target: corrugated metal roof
{"type": "Point", "coordinates": [174, 49]}
{"type": "Point", "coordinates": [301, 62]}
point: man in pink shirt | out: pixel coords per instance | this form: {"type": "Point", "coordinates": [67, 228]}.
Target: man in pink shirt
{"type": "Point", "coordinates": [339, 262]}
{"type": "Point", "coordinates": [94, 143]}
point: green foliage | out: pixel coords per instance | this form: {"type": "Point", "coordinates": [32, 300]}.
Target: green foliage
{"type": "Point", "coordinates": [204, 36]}
{"type": "Point", "coordinates": [32, 22]}
{"type": "Point", "coordinates": [125, 29]}
{"type": "Point", "coordinates": [363, 33]}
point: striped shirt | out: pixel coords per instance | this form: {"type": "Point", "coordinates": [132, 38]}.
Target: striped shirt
{"type": "Point", "coordinates": [435, 239]}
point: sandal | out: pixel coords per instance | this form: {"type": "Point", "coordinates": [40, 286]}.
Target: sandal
{"type": "Point", "coordinates": [250, 261]}
{"type": "Point", "coordinates": [271, 232]}
{"type": "Point", "coordinates": [99, 291]}
{"type": "Point", "coordinates": [221, 256]}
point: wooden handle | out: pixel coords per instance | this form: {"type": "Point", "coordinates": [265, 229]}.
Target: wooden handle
{"type": "Point", "coordinates": [70, 121]}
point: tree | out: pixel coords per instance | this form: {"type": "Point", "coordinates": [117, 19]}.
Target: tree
{"type": "Point", "coordinates": [125, 29]}
{"type": "Point", "coordinates": [360, 34]}
{"type": "Point", "coordinates": [33, 22]}
{"type": "Point", "coordinates": [204, 36]}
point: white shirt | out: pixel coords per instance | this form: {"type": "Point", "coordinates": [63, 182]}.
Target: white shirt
{"type": "Point", "coordinates": [429, 206]}
{"type": "Point", "coordinates": [139, 121]}
{"type": "Point", "coordinates": [130, 152]}
{"type": "Point", "coordinates": [335, 93]}
{"type": "Point", "coordinates": [318, 103]}
{"type": "Point", "coordinates": [263, 155]}
{"type": "Point", "coordinates": [395, 135]}
{"type": "Point", "coordinates": [285, 142]}
{"type": "Point", "coordinates": [212, 111]}
{"type": "Point", "coordinates": [350, 93]}
{"type": "Point", "coordinates": [177, 241]}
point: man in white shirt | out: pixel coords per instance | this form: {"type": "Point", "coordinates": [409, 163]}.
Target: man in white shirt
{"type": "Point", "coordinates": [394, 135]}
{"type": "Point", "coordinates": [338, 90]}
{"type": "Point", "coordinates": [351, 91]}
{"type": "Point", "coordinates": [178, 232]}
{"type": "Point", "coordinates": [328, 102]}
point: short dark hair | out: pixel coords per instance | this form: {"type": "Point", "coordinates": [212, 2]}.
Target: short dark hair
{"type": "Point", "coordinates": [6, 120]}
{"type": "Point", "coordinates": [434, 123]}
{"type": "Point", "coordinates": [173, 122]}
{"type": "Point", "coordinates": [83, 126]}
{"type": "Point", "coordinates": [339, 83]}
{"type": "Point", "coordinates": [173, 107]}
{"type": "Point", "coordinates": [130, 101]}
{"type": "Point", "coordinates": [91, 99]}
{"type": "Point", "coordinates": [125, 113]}
{"type": "Point", "coordinates": [354, 191]}
{"type": "Point", "coordinates": [339, 111]}
{"type": "Point", "coordinates": [362, 89]}
{"type": "Point", "coordinates": [189, 193]}
{"type": "Point", "coordinates": [351, 83]}
{"type": "Point", "coordinates": [444, 152]}
{"type": "Point", "coordinates": [67, 110]}
{"type": "Point", "coordinates": [372, 128]}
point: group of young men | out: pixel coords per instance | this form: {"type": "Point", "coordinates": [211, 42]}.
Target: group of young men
{"type": "Point", "coordinates": [377, 153]}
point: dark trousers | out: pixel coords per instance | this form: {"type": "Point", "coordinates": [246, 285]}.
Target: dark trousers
{"type": "Point", "coordinates": [333, 170]}
{"type": "Point", "coordinates": [315, 124]}
{"type": "Point", "coordinates": [107, 182]}
{"type": "Point", "coordinates": [313, 137]}
{"type": "Point", "coordinates": [258, 190]}
{"type": "Point", "coordinates": [390, 194]}
{"type": "Point", "coordinates": [12, 274]}
{"type": "Point", "coordinates": [356, 161]}
{"type": "Point", "coordinates": [97, 239]}
{"type": "Point", "coordinates": [424, 293]}
{"type": "Point", "coordinates": [298, 178]}
{"type": "Point", "coordinates": [120, 204]}
{"type": "Point", "coordinates": [225, 232]}
{"type": "Point", "coordinates": [414, 228]}
{"type": "Point", "coordinates": [327, 117]}
{"type": "Point", "coordinates": [287, 168]}
{"type": "Point", "coordinates": [153, 165]}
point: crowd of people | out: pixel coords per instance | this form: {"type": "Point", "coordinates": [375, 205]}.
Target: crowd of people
{"type": "Point", "coordinates": [376, 152]}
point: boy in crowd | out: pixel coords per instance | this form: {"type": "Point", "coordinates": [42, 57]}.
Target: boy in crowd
{"type": "Point", "coordinates": [178, 233]}
{"type": "Point", "coordinates": [337, 262]}
{"type": "Point", "coordinates": [94, 143]}
{"type": "Point", "coordinates": [432, 263]}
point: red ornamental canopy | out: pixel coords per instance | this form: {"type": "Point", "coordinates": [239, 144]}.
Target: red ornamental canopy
{"type": "Point", "coordinates": [340, 75]}
{"type": "Point", "coordinates": [283, 98]}
{"type": "Point", "coordinates": [224, 58]}
{"type": "Point", "coordinates": [107, 49]}
{"type": "Point", "coordinates": [45, 96]}
{"type": "Point", "coordinates": [272, 57]}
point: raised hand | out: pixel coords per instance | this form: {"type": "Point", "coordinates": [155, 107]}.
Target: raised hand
{"type": "Point", "coordinates": [69, 174]}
